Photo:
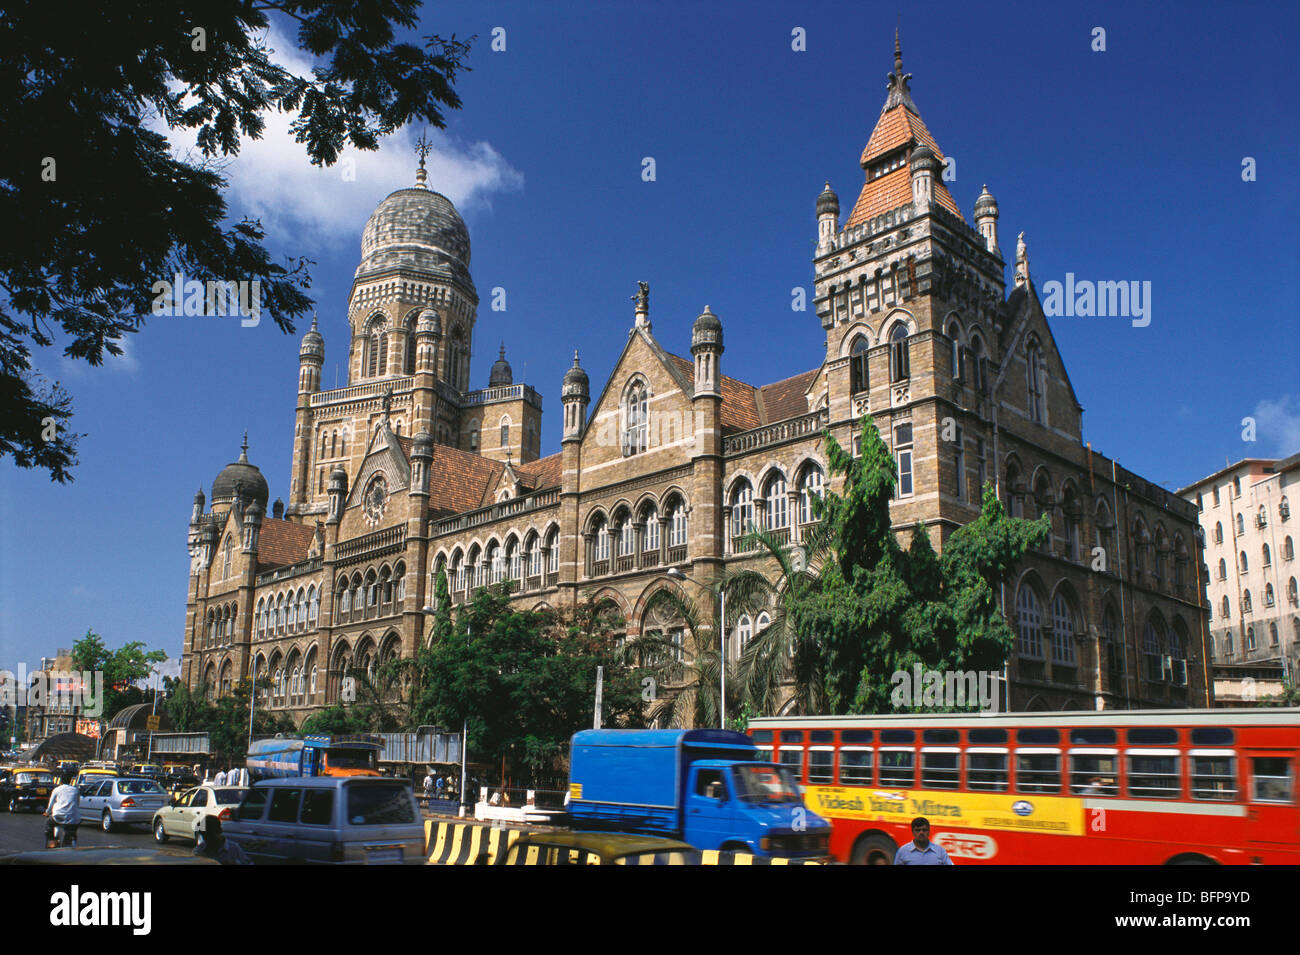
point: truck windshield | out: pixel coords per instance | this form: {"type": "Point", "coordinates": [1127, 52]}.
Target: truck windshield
{"type": "Point", "coordinates": [350, 759]}
{"type": "Point", "coordinates": [761, 783]}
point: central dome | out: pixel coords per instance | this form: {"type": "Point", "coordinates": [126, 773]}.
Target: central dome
{"type": "Point", "coordinates": [416, 230]}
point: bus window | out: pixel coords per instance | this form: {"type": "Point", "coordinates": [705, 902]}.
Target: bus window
{"type": "Point", "coordinates": [792, 736]}
{"type": "Point", "coordinates": [986, 770]}
{"type": "Point", "coordinates": [761, 736]}
{"type": "Point", "coordinates": [1214, 774]}
{"type": "Point", "coordinates": [1153, 774]}
{"type": "Point", "coordinates": [856, 736]}
{"type": "Point", "coordinates": [1094, 772]}
{"type": "Point", "coordinates": [821, 736]}
{"type": "Point", "coordinates": [855, 767]}
{"type": "Point", "coordinates": [986, 736]}
{"type": "Point", "coordinates": [1212, 736]}
{"type": "Point", "coordinates": [939, 769]}
{"type": "Point", "coordinates": [821, 768]}
{"type": "Point", "coordinates": [1038, 771]}
{"type": "Point", "coordinates": [898, 768]}
{"type": "Point", "coordinates": [1152, 736]}
{"type": "Point", "coordinates": [1272, 779]}
{"type": "Point", "coordinates": [792, 759]}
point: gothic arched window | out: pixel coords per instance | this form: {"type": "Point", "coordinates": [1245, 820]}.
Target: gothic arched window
{"type": "Point", "coordinates": [859, 373]}
{"type": "Point", "coordinates": [899, 362]}
{"type": "Point", "coordinates": [636, 418]}
{"type": "Point", "coordinates": [1034, 378]}
{"type": "Point", "coordinates": [1029, 623]}
{"type": "Point", "coordinates": [778, 502]}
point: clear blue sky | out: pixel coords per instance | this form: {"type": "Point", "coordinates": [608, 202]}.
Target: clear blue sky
{"type": "Point", "coordinates": [1117, 165]}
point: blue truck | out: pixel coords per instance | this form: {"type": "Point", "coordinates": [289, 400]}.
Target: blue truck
{"type": "Point", "coordinates": [705, 787]}
{"type": "Point", "coordinates": [338, 755]}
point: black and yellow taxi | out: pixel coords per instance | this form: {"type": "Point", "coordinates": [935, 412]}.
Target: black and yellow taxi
{"type": "Point", "coordinates": [26, 787]}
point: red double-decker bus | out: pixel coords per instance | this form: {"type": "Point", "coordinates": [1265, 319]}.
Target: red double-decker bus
{"type": "Point", "coordinates": [1108, 787]}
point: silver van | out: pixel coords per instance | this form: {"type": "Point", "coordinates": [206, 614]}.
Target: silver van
{"type": "Point", "coordinates": [361, 820]}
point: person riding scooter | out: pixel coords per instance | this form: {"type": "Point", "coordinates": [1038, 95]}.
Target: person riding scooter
{"type": "Point", "coordinates": [63, 810]}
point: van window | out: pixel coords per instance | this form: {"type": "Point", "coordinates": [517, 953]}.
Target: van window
{"type": "Point", "coordinates": [318, 807]}
{"type": "Point", "coordinates": [284, 805]}
{"type": "Point", "coordinates": [378, 805]}
{"type": "Point", "coordinates": [253, 804]}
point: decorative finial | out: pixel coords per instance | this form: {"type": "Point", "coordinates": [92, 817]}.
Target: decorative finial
{"type": "Point", "coordinates": [502, 356]}
{"type": "Point", "coordinates": [243, 450]}
{"type": "Point", "coordinates": [1022, 261]}
{"type": "Point", "coordinates": [313, 319]}
{"type": "Point", "coordinates": [642, 299]}
{"type": "Point", "coordinates": [422, 147]}
{"type": "Point", "coordinates": [899, 94]}
{"type": "Point", "coordinates": [387, 402]}
{"type": "Point", "coordinates": [575, 358]}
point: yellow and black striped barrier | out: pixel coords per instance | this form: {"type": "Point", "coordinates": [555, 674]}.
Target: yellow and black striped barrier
{"type": "Point", "coordinates": [465, 843]}
{"type": "Point", "coordinates": [718, 857]}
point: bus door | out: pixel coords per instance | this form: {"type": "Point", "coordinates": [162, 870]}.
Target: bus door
{"type": "Point", "coordinates": [1272, 817]}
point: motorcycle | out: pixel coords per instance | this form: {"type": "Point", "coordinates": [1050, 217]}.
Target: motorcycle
{"type": "Point", "coordinates": [61, 835]}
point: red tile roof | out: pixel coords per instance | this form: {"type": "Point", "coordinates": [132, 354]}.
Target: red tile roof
{"type": "Point", "coordinates": [739, 408]}
{"type": "Point", "coordinates": [283, 542]}
{"type": "Point", "coordinates": [542, 473]}
{"type": "Point", "coordinates": [460, 481]}
{"type": "Point", "coordinates": [786, 399]}
{"type": "Point", "coordinates": [898, 127]}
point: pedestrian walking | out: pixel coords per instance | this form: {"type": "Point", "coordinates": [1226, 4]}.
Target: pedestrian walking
{"type": "Point", "coordinates": [921, 851]}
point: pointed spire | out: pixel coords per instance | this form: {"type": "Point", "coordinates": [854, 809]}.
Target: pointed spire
{"type": "Point", "coordinates": [899, 94]}
{"type": "Point", "coordinates": [243, 450]}
{"type": "Point", "coordinates": [422, 147]}
{"type": "Point", "coordinates": [502, 356]}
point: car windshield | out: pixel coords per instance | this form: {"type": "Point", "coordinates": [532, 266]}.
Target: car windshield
{"type": "Point", "coordinates": [380, 804]}
{"type": "Point", "coordinates": [228, 797]}
{"type": "Point", "coordinates": [29, 778]}
{"type": "Point", "coordinates": [137, 786]}
{"type": "Point", "coordinates": [765, 783]}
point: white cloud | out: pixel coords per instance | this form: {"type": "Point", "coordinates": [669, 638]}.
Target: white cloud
{"type": "Point", "coordinates": [273, 180]}
{"type": "Point", "coordinates": [126, 363]}
{"type": "Point", "coordinates": [1277, 425]}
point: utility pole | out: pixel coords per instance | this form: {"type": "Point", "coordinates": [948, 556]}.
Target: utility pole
{"type": "Point", "coordinates": [600, 686]}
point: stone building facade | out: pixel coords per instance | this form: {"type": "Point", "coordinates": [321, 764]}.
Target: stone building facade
{"type": "Point", "coordinates": [404, 471]}
{"type": "Point", "coordinates": [1250, 553]}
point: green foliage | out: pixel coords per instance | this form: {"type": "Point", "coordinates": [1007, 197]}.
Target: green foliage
{"type": "Point", "coordinates": [875, 608]}
{"type": "Point", "coordinates": [524, 680]}
{"type": "Point", "coordinates": [83, 88]}
{"type": "Point", "coordinates": [225, 721]}
{"type": "Point", "coordinates": [122, 669]}
{"type": "Point", "coordinates": [686, 692]}
{"type": "Point", "coordinates": [336, 719]}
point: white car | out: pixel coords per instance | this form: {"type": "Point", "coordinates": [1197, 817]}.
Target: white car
{"type": "Point", "coordinates": [188, 814]}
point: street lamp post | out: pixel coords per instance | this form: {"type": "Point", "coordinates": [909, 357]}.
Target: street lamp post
{"type": "Point", "coordinates": [676, 574]}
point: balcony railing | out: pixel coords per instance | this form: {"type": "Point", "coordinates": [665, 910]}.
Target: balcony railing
{"type": "Point", "coordinates": [496, 512]}
{"type": "Point", "coordinates": [624, 563]}
{"type": "Point", "coordinates": [773, 433]}
{"type": "Point", "coordinates": [677, 555]}
{"type": "Point", "coordinates": [599, 568]}
{"type": "Point", "coordinates": [370, 389]}
{"type": "Point", "coordinates": [552, 578]}
{"type": "Point", "coordinates": [388, 538]}
{"type": "Point", "coordinates": [650, 559]}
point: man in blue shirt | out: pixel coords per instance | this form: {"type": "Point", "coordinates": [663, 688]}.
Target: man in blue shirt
{"type": "Point", "coordinates": [921, 851]}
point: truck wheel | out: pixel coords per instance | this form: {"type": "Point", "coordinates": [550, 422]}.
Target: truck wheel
{"type": "Point", "coordinates": [159, 832]}
{"type": "Point", "coordinates": [106, 823]}
{"type": "Point", "coordinates": [875, 849]}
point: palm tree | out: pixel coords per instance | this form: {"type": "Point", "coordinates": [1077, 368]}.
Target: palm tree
{"type": "Point", "coordinates": [687, 671]}
{"type": "Point", "coordinates": [779, 653]}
